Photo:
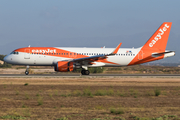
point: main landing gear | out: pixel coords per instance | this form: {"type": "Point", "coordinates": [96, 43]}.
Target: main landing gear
{"type": "Point", "coordinates": [27, 70]}
{"type": "Point", "coordinates": [85, 72]}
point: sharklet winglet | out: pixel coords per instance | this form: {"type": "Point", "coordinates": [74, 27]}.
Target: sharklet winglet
{"type": "Point", "coordinates": [116, 50]}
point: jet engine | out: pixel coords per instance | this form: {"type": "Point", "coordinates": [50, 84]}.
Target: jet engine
{"type": "Point", "coordinates": [64, 66]}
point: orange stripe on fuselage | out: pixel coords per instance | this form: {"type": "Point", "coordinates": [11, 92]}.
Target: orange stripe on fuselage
{"type": "Point", "coordinates": [50, 51]}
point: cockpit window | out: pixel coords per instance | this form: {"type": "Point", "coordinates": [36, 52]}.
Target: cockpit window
{"type": "Point", "coordinates": [13, 52]}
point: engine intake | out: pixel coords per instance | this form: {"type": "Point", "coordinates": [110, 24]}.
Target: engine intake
{"type": "Point", "coordinates": [64, 66]}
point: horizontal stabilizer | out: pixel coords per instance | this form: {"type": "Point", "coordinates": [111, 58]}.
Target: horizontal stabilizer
{"type": "Point", "coordinates": [166, 54]}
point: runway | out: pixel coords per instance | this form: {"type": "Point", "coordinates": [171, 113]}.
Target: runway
{"type": "Point", "coordinates": [91, 75]}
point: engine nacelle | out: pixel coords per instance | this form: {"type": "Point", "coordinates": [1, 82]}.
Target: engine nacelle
{"type": "Point", "coordinates": [64, 66]}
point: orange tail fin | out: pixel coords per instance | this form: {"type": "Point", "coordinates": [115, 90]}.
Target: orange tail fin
{"type": "Point", "coordinates": [156, 44]}
{"type": "Point", "coordinates": [159, 39]}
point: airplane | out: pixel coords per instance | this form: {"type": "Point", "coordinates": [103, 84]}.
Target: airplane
{"type": "Point", "coordinates": [65, 59]}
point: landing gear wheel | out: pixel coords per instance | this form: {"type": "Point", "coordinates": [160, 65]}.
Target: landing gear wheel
{"type": "Point", "coordinates": [85, 72]}
{"type": "Point", "coordinates": [26, 72]}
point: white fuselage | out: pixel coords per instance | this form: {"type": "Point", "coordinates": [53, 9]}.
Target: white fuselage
{"type": "Point", "coordinates": [123, 57]}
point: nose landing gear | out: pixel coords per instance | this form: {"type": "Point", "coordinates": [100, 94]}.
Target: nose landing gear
{"type": "Point", "coordinates": [27, 70]}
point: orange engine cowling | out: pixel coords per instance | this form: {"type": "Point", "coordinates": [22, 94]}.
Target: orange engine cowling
{"type": "Point", "coordinates": [64, 66]}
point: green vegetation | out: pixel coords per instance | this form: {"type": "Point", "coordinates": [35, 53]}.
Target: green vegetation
{"type": "Point", "coordinates": [165, 117]}
{"type": "Point", "coordinates": [26, 84]}
{"type": "Point", "coordinates": [117, 111]}
{"type": "Point", "coordinates": [12, 117]}
{"type": "Point", "coordinates": [92, 100]}
{"type": "Point", "coordinates": [17, 92]}
{"type": "Point", "coordinates": [63, 118]}
{"type": "Point", "coordinates": [40, 100]}
{"type": "Point", "coordinates": [143, 69]}
{"type": "Point", "coordinates": [87, 92]}
{"type": "Point", "coordinates": [27, 96]}
{"type": "Point", "coordinates": [37, 95]}
{"type": "Point", "coordinates": [157, 91]}
{"type": "Point", "coordinates": [5, 65]}
{"type": "Point", "coordinates": [2, 57]}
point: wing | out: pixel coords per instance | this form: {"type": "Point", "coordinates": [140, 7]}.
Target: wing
{"type": "Point", "coordinates": [97, 57]}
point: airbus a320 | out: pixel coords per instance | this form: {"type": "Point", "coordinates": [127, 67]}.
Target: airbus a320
{"type": "Point", "coordinates": [65, 59]}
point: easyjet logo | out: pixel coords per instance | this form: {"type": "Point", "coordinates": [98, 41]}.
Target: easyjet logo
{"type": "Point", "coordinates": [159, 35]}
{"type": "Point", "coordinates": [44, 51]}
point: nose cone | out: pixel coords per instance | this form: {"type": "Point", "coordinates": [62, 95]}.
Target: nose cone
{"type": "Point", "coordinates": [7, 59]}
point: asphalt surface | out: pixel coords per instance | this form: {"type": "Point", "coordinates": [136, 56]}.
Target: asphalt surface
{"type": "Point", "coordinates": [98, 75]}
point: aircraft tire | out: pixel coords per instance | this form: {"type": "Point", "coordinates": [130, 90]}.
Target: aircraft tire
{"type": "Point", "coordinates": [26, 72]}
{"type": "Point", "coordinates": [85, 72]}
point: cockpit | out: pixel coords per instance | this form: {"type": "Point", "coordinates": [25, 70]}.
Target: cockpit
{"type": "Point", "coordinates": [13, 52]}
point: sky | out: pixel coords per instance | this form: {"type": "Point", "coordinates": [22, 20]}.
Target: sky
{"type": "Point", "coordinates": [86, 23]}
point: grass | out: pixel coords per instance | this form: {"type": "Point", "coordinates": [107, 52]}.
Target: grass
{"type": "Point", "coordinates": [5, 86]}
{"type": "Point", "coordinates": [150, 93]}
{"type": "Point", "coordinates": [27, 96]}
{"type": "Point", "coordinates": [26, 84]}
{"type": "Point", "coordinates": [100, 92]}
{"type": "Point", "coordinates": [35, 102]}
{"type": "Point", "coordinates": [99, 107]}
{"type": "Point", "coordinates": [50, 94]}
{"type": "Point", "coordinates": [122, 93]}
{"type": "Point", "coordinates": [12, 117]}
{"type": "Point", "coordinates": [77, 93]}
{"type": "Point", "coordinates": [40, 100]}
{"type": "Point", "coordinates": [87, 92]}
{"type": "Point", "coordinates": [117, 111]}
{"type": "Point", "coordinates": [27, 112]}
{"type": "Point", "coordinates": [37, 95]}
{"type": "Point", "coordinates": [56, 92]}
{"type": "Point", "coordinates": [62, 118]}
{"type": "Point", "coordinates": [157, 91]}
{"type": "Point", "coordinates": [17, 92]}
{"type": "Point", "coordinates": [165, 117]}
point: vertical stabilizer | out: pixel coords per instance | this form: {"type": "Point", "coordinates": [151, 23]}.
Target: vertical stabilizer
{"type": "Point", "coordinates": [159, 39]}
{"type": "Point", "coordinates": [156, 44]}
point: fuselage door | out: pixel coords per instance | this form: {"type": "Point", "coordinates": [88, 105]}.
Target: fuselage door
{"type": "Point", "coordinates": [27, 54]}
